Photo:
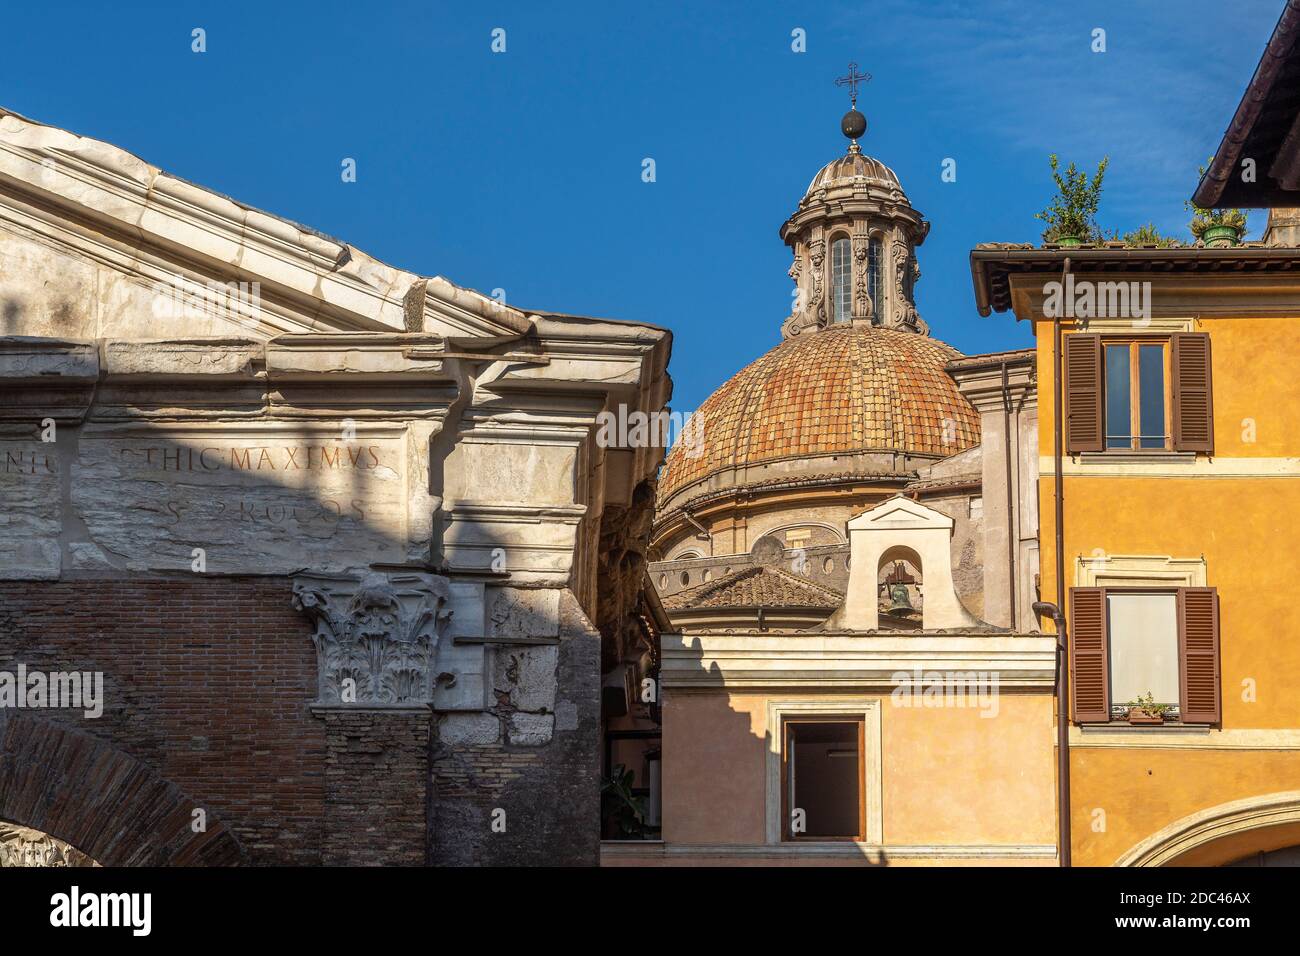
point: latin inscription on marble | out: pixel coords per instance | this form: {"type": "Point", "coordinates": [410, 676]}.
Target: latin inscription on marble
{"type": "Point", "coordinates": [267, 458]}
{"type": "Point", "coordinates": [30, 510]}
{"type": "Point", "coordinates": [267, 505]}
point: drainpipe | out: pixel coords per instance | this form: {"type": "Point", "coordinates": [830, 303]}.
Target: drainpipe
{"type": "Point", "coordinates": [1011, 514]}
{"type": "Point", "coordinates": [1062, 639]}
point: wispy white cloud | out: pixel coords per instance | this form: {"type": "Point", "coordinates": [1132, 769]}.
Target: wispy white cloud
{"type": "Point", "coordinates": [1156, 101]}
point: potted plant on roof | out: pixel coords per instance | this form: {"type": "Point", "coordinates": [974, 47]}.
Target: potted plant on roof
{"type": "Point", "coordinates": [1145, 710]}
{"type": "Point", "coordinates": [1217, 228]}
{"type": "Point", "coordinates": [1146, 236]}
{"type": "Point", "coordinates": [1071, 216]}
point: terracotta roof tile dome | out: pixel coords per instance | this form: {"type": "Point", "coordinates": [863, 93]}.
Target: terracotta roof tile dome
{"type": "Point", "coordinates": [845, 388]}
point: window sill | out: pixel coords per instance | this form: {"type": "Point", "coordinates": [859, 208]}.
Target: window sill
{"type": "Point", "coordinates": [1167, 457]}
{"type": "Point", "coordinates": [1124, 727]}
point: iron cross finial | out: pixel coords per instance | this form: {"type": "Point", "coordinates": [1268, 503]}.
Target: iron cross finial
{"type": "Point", "coordinates": [852, 81]}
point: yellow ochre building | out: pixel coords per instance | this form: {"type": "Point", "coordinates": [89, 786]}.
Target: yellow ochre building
{"type": "Point", "coordinates": [1169, 540]}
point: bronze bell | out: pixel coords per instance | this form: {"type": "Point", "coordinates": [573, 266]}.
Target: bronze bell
{"type": "Point", "coordinates": [899, 602]}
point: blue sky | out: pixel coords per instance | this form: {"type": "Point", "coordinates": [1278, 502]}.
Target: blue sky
{"type": "Point", "coordinates": [522, 170]}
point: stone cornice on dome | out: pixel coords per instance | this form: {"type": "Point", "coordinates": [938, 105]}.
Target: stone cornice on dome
{"type": "Point", "coordinates": [882, 467]}
{"type": "Point", "coordinates": [830, 209]}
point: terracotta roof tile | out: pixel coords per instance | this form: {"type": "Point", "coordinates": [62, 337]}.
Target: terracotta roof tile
{"type": "Point", "coordinates": [761, 585]}
{"type": "Point", "coordinates": [841, 389]}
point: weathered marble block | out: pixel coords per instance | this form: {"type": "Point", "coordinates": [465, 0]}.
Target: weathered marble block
{"type": "Point", "coordinates": [268, 504]}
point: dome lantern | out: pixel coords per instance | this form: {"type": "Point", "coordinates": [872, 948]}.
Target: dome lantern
{"type": "Point", "coordinates": [854, 238]}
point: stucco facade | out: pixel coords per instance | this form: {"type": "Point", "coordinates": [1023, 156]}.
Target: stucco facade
{"type": "Point", "coordinates": [1175, 794]}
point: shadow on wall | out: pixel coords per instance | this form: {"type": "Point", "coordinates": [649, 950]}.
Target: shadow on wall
{"type": "Point", "coordinates": [717, 786]}
{"type": "Point", "coordinates": [177, 559]}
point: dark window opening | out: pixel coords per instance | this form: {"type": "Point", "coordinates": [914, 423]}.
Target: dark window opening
{"type": "Point", "coordinates": [822, 762]}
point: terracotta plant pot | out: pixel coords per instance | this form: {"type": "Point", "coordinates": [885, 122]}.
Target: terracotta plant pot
{"type": "Point", "coordinates": [1221, 237]}
{"type": "Point", "coordinates": [1140, 717]}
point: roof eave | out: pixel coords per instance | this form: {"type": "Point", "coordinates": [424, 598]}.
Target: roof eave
{"type": "Point", "coordinates": [1220, 187]}
{"type": "Point", "coordinates": [1185, 259]}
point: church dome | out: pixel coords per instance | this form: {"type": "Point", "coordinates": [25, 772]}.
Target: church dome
{"type": "Point", "coordinates": [848, 388]}
{"type": "Point", "coordinates": [844, 170]}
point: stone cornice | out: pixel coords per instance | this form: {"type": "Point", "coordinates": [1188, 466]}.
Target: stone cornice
{"type": "Point", "coordinates": [843, 660]}
{"type": "Point", "coordinates": [831, 210]}
{"type": "Point", "coordinates": [384, 360]}
{"type": "Point", "coordinates": [48, 175]}
{"type": "Point", "coordinates": [886, 466]}
{"type": "Point", "coordinates": [981, 384]}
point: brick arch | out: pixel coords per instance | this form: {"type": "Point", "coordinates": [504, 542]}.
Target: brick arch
{"type": "Point", "coordinates": [103, 802]}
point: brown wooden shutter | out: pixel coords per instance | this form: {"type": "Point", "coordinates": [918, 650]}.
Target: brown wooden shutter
{"type": "Point", "coordinates": [1198, 655]}
{"type": "Point", "coordinates": [1090, 656]}
{"type": "Point", "coordinates": [1193, 398]}
{"type": "Point", "coordinates": [1083, 392]}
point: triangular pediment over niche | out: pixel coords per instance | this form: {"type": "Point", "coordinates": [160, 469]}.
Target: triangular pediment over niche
{"type": "Point", "coordinates": [901, 513]}
{"type": "Point", "coordinates": [126, 251]}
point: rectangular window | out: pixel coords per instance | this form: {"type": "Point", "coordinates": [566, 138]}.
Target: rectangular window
{"type": "Point", "coordinates": [1136, 395]}
{"type": "Point", "coordinates": [1119, 415]}
{"type": "Point", "coordinates": [1126, 643]}
{"type": "Point", "coordinates": [822, 785]}
{"type": "Point", "coordinates": [1143, 630]}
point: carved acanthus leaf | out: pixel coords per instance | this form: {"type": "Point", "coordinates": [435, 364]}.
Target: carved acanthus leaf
{"type": "Point", "coordinates": [376, 637]}
{"type": "Point", "coordinates": [25, 847]}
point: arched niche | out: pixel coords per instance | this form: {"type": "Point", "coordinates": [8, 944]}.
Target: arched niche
{"type": "Point", "coordinates": [901, 558]}
{"type": "Point", "coordinates": [902, 526]}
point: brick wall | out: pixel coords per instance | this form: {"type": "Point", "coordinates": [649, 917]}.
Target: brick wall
{"type": "Point", "coordinates": [208, 684]}
{"type": "Point", "coordinates": [206, 681]}
{"type": "Point", "coordinates": [547, 797]}
{"type": "Point", "coordinates": [375, 772]}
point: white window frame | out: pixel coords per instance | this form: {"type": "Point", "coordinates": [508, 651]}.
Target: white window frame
{"type": "Point", "coordinates": [867, 708]}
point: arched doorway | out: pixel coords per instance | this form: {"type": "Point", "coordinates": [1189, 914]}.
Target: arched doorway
{"type": "Point", "coordinates": [1229, 833]}
{"type": "Point", "coordinates": [1287, 856]}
